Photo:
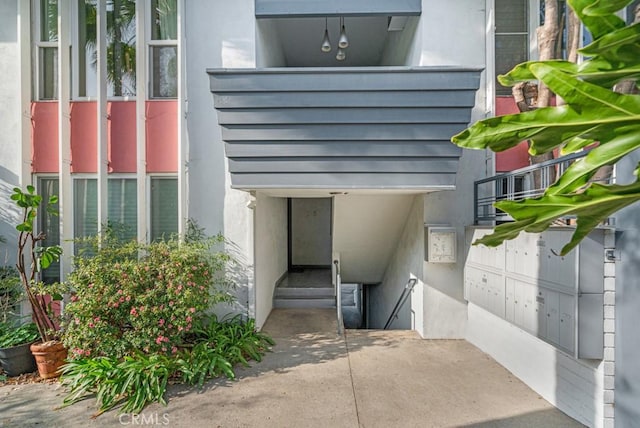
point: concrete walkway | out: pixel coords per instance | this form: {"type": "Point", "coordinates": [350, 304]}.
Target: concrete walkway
{"type": "Point", "coordinates": [315, 379]}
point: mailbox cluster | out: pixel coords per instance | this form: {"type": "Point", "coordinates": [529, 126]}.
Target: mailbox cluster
{"type": "Point", "coordinates": [558, 299]}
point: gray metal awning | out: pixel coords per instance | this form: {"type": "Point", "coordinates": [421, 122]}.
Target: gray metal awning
{"type": "Point", "coordinates": [343, 128]}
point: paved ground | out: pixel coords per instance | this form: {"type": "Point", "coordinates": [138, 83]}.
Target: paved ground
{"type": "Point", "coordinates": [315, 379]}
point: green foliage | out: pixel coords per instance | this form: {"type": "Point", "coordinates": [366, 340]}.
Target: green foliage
{"type": "Point", "coordinates": [139, 379]}
{"type": "Point", "coordinates": [40, 257]}
{"type": "Point", "coordinates": [13, 336]}
{"type": "Point", "coordinates": [593, 113]}
{"type": "Point", "coordinates": [131, 297]}
{"type": "Point", "coordinates": [10, 293]}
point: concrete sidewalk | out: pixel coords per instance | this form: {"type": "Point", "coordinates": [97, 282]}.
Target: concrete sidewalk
{"type": "Point", "coordinates": [315, 379]}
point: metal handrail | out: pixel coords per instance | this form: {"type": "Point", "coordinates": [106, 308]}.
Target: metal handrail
{"type": "Point", "coordinates": [339, 298]}
{"type": "Point", "coordinates": [408, 288]}
{"type": "Point", "coordinates": [530, 181]}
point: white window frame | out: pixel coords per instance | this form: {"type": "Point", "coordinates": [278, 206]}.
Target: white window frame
{"type": "Point", "coordinates": [160, 175]}
{"type": "Point", "coordinates": [150, 44]}
{"type": "Point", "coordinates": [37, 46]}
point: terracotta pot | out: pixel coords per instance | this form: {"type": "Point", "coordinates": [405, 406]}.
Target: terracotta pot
{"type": "Point", "coordinates": [50, 356]}
{"type": "Point", "coordinates": [17, 360]}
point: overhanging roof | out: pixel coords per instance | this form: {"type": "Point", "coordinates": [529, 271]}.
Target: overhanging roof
{"type": "Point", "coordinates": [340, 128]}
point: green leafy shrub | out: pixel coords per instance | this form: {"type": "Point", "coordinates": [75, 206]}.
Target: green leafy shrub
{"type": "Point", "coordinates": [137, 380]}
{"type": "Point", "coordinates": [132, 297]}
{"type": "Point", "coordinates": [13, 336]}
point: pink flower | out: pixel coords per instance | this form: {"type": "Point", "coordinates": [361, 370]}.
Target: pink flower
{"type": "Point", "coordinates": [188, 319]}
{"type": "Point", "coordinates": [96, 319]}
{"type": "Point", "coordinates": [193, 268]}
{"type": "Point", "coordinates": [170, 302]}
{"type": "Point", "coordinates": [87, 352]}
{"type": "Point", "coordinates": [192, 310]}
{"type": "Point", "coordinates": [74, 298]}
{"type": "Point", "coordinates": [174, 350]}
{"type": "Point", "coordinates": [133, 312]}
{"type": "Point", "coordinates": [91, 325]}
{"type": "Point", "coordinates": [179, 287]}
{"type": "Point", "coordinates": [128, 298]}
{"type": "Point", "coordinates": [161, 322]}
{"type": "Point", "coordinates": [159, 340]}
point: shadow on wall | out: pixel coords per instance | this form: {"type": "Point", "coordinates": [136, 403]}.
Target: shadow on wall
{"type": "Point", "coordinates": [9, 214]}
{"type": "Point", "coordinates": [239, 273]}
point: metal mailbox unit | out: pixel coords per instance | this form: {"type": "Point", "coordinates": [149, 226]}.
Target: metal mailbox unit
{"type": "Point", "coordinates": [558, 299]}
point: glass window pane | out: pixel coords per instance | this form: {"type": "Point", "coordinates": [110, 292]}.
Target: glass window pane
{"type": "Point", "coordinates": [164, 24]}
{"type": "Point", "coordinates": [164, 207]}
{"type": "Point", "coordinates": [50, 225]}
{"type": "Point", "coordinates": [121, 47]}
{"type": "Point", "coordinates": [85, 207]}
{"type": "Point", "coordinates": [48, 70]}
{"type": "Point", "coordinates": [510, 51]}
{"type": "Point", "coordinates": [123, 207]}
{"type": "Point", "coordinates": [164, 78]}
{"type": "Point", "coordinates": [48, 20]}
{"type": "Point", "coordinates": [511, 16]}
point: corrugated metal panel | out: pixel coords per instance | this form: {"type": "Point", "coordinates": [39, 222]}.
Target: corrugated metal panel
{"type": "Point", "coordinates": [373, 127]}
{"type": "Point", "coordinates": [302, 8]}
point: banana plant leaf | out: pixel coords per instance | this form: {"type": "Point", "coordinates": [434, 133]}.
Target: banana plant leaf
{"type": "Point", "coordinates": [592, 113]}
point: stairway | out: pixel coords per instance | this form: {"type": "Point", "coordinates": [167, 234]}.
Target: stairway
{"type": "Point", "coordinates": [294, 297]}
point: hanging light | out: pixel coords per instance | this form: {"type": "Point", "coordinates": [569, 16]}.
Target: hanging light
{"type": "Point", "coordinates": [326, 44]}
{"type": "Point", "coordinates": [343, 42]}
{"type": "Point", "coordinates": [341, 55]}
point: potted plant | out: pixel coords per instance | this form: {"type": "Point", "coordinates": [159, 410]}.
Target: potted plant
{"type": "Point", "coordinates": [32, 257]}
{"type": "Point", "coordinates": [15, 355]}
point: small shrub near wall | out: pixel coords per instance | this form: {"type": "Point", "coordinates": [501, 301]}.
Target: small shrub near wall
{"type": "Point", "coordinates": [141, 298]}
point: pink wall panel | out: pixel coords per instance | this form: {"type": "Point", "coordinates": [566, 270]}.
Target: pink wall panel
{"type": "Point", "coordinates": [84, 152]}
{"type": "Point", "coordinates": [44, 137]}
{"type": "Point", "coordinates": [162, 136]}
{"type": "Point", "coordinates": [122, 136]}
{"type": "Point", "coordinates": [516, 157]}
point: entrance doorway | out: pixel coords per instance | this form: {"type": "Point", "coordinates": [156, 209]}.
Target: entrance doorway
{"type": "Point", "coordinates": [309, 241]}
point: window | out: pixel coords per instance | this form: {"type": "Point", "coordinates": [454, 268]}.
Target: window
{"type": "Point", "coordinates": [46, 51]}
{"type": "Point", "coordinates": [50, 225]}
{"type": "Point", "coordinates": [511, 37]}
{"type": "Point", "coordinates": [163, 49]}
{"type": "Point", "coordinates": [164, 207]}
{"type": "Point", "coordinates": [121, 48]}
{"type": "Point", "coordinates": [122, 207]}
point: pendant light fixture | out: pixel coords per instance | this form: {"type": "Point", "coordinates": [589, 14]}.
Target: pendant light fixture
{"type": "Point", "coordinates": [326, 44]}
{"type": "Point", "coordinates": [341, 55]}
{"type": "Point", "coordinates": [343, 42]}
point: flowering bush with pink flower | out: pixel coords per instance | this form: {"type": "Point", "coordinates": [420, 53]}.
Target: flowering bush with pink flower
{"type": "Point", "coordinates": [141, 298]}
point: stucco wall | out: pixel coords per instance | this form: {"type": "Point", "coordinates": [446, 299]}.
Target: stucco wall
{"type": "Point", "coordinates": [10, 168]}
{"type": "Point", "coordinates": [406, 262]}
{"type": "Point", "coordinates": [627, 311]}
{"type": "Point", "coordinates": [270, 250]}
{"type": "Point", "coordinates": [268, 45]}
{"type": "Point", "coordinates": [366, 230]}
{"type": "Point", "coordinates": [444, 305]}
{"type": "Point", "coordinates": [574, 386]}
{"type": "Point", "coordinates": [211, 202]}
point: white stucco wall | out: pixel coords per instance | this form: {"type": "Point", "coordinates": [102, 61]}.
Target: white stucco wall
{"type": "Point", "coordinates": [451, 33]}
{"type": "Point", "coordinates": [406, 262]}
{"type": "Point", "coordinates": [270, 251]}
{"type": "Point", "coordinates": [366, 230]}
{"type": "Point", "coordinates": [10, 137]}
{"type": "Point", "coordinates": [574, 386]}
{"type": "Point", "coordinates": [444, 306]}
{"type": "Point", "coordinates": [268, 45]}
{"type": "Point", "coordinates": [399, 45]}
{"type": "Point", "coordinates": [230, 42]}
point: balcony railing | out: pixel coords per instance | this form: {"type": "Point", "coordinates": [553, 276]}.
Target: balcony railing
{"type": "Point", "coordinates": [527, 182]}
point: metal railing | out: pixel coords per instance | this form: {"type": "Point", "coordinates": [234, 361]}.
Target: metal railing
{"type": "Point", "coordinates": [339, 298]}
{"type": "Point", "coordinates": [406, 292]}
{"type": "Point", "coordinates": [527, 182]}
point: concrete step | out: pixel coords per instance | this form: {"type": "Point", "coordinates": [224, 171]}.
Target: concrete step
{"type": "Point", "coordinates": [304, 292]}
{"type": "Point", "coordinates": [300, 303]}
